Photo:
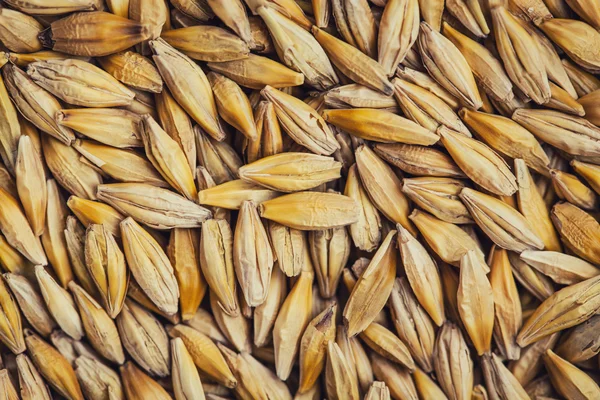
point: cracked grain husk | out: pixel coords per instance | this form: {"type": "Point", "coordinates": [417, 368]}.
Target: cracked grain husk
{"type": "Point", "coordinates": [578, 230]}
{"type": "Point", "coordinates": [289, 246]}
{"type": "Point", "coordinates": [313, 347]}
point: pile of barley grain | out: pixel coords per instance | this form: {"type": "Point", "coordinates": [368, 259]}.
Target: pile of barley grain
{"type": "Point", "coordinates": [277, 199]}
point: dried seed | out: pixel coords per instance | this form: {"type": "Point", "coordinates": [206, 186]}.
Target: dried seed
{"type": "Point", "coordinates": [581, 342]}
{"type": "Point", "coordinates": [53, 366]}
{"type": "Point", "coordinates": [139, 386]}
{"type": "Point", "coordinates": [106, 265]}
{"type": "Point", "coordinates": [291, 172]}
{"type": "Point", "coordinates": [235, 328]}
{"type": "Point", "coordinates": [531, 361]}
{"type": "Point", "coordinates": [133, 70]}
{"type": "Point", "coordinates": [380, 126]}
{"type": "Point", "coordinates": [30, 303]}
{"type": "Point", "coordinates": [480, 163]}
{"type": "Point", "coordinates": [383, 186]}
{"type": "Point", "coordinates": [233, 104]}
{"type": "Point", "coordinates": [340, 383]}
{"type": "Point", "coordinates": [216, 260]}
{"type": "Point", "coordinates": [426, 108]}
{"type": "Point", "coordinates": [252, 255]}
{"type": "Point", "coordinates": [186, 381]}
{"type": "Point", "coordinates": [419, 160]}
{"type": "Point", "coordinates": [452, 363]}
{"type": "Point", "coordinates": [96, 123]}
{"type": "Point", "coordinates": [311, 210]}
{"type": "Point", "coordinates": [508, 138]}
{"type": "Point", "coordinates": [571, 134]}
{"type": "Point", "coordinates": [565, 308]}
{"type": "Point", "coordinates": [329, 251]}
{"type": "Point", "coordinates": [313, 347]}
{"type": "Point", "coordinates": [578, 231]}
{"type": "Point", "coordinates": [426, 386]}
{"type": "Point", "coordinates": [150, 266]}
{"type": "Point", "coordinates": [65, 163]}
{"type": "Point", "coordinates": [301, 122]}
{"type": "Point", "coordinates": [299, 50]}
{"type": "Point", "coordinates": [397, 379]}
{"type": "Point", "coordinates": [34, 103]}
{"type": "Point", "coordinates": [79, 83]}
{"type": "Point", "coordinates": [168, 158]}
{"type": "Point", "coordinates": [577, 39]}
{"type": "Point", "coordinates": [568, 187]}
{"type": "Point", "coordinates": [447, 240]}
{"type": "Point", "coordinates": [561, 268]}
{"type": "Point", "coordinates": [358, 96]}
{"type": "Point", "coordinates": [31, 184]}
{"type": "Point", "coordinates": [502, 223]}
{"type": "Point", "coordinates": [266, 313]}
{"type": "Point", "coordinates": [395, 38]}
{"type": "Point", "coordinates": [447, 66]}
{"type": "Point", "coordinates": [507, 305]}
{"type": "Point", "coordinates": [97, 380]}
{"type": "Point", "coordinates": [93, 212]}
{"type": "Point", "coordinates": [219, 158]}
{"type": "Point", "coordinates": [500, 381]}
{"type": "Point", "coordinates": [438, 196]}
{"type": "Point", "coordinates": [205, 353]}
{"type": "Point", "coordinates": [534, 209]}
{"type": "Point", "coordinates": [569, 380]}
{"type": "Point", "coordinates": [291, 322]}
{"type": "Point", "coordinates": [156, 207]}
{"type": "Point", "coordinates": [521, 56]}
{"type": "Point", "coordinates": [535, 282]}
{"type": "Point", "coordinates": [353, 63]}
{"type": "Point", "coordinates": [11, 331]}
{"type": "Point", "coordinates": [385, 343]}
{"type": "Point", "coordinates": [144, 338]}
{"type": "Point", "coordinates": [372, 289]}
